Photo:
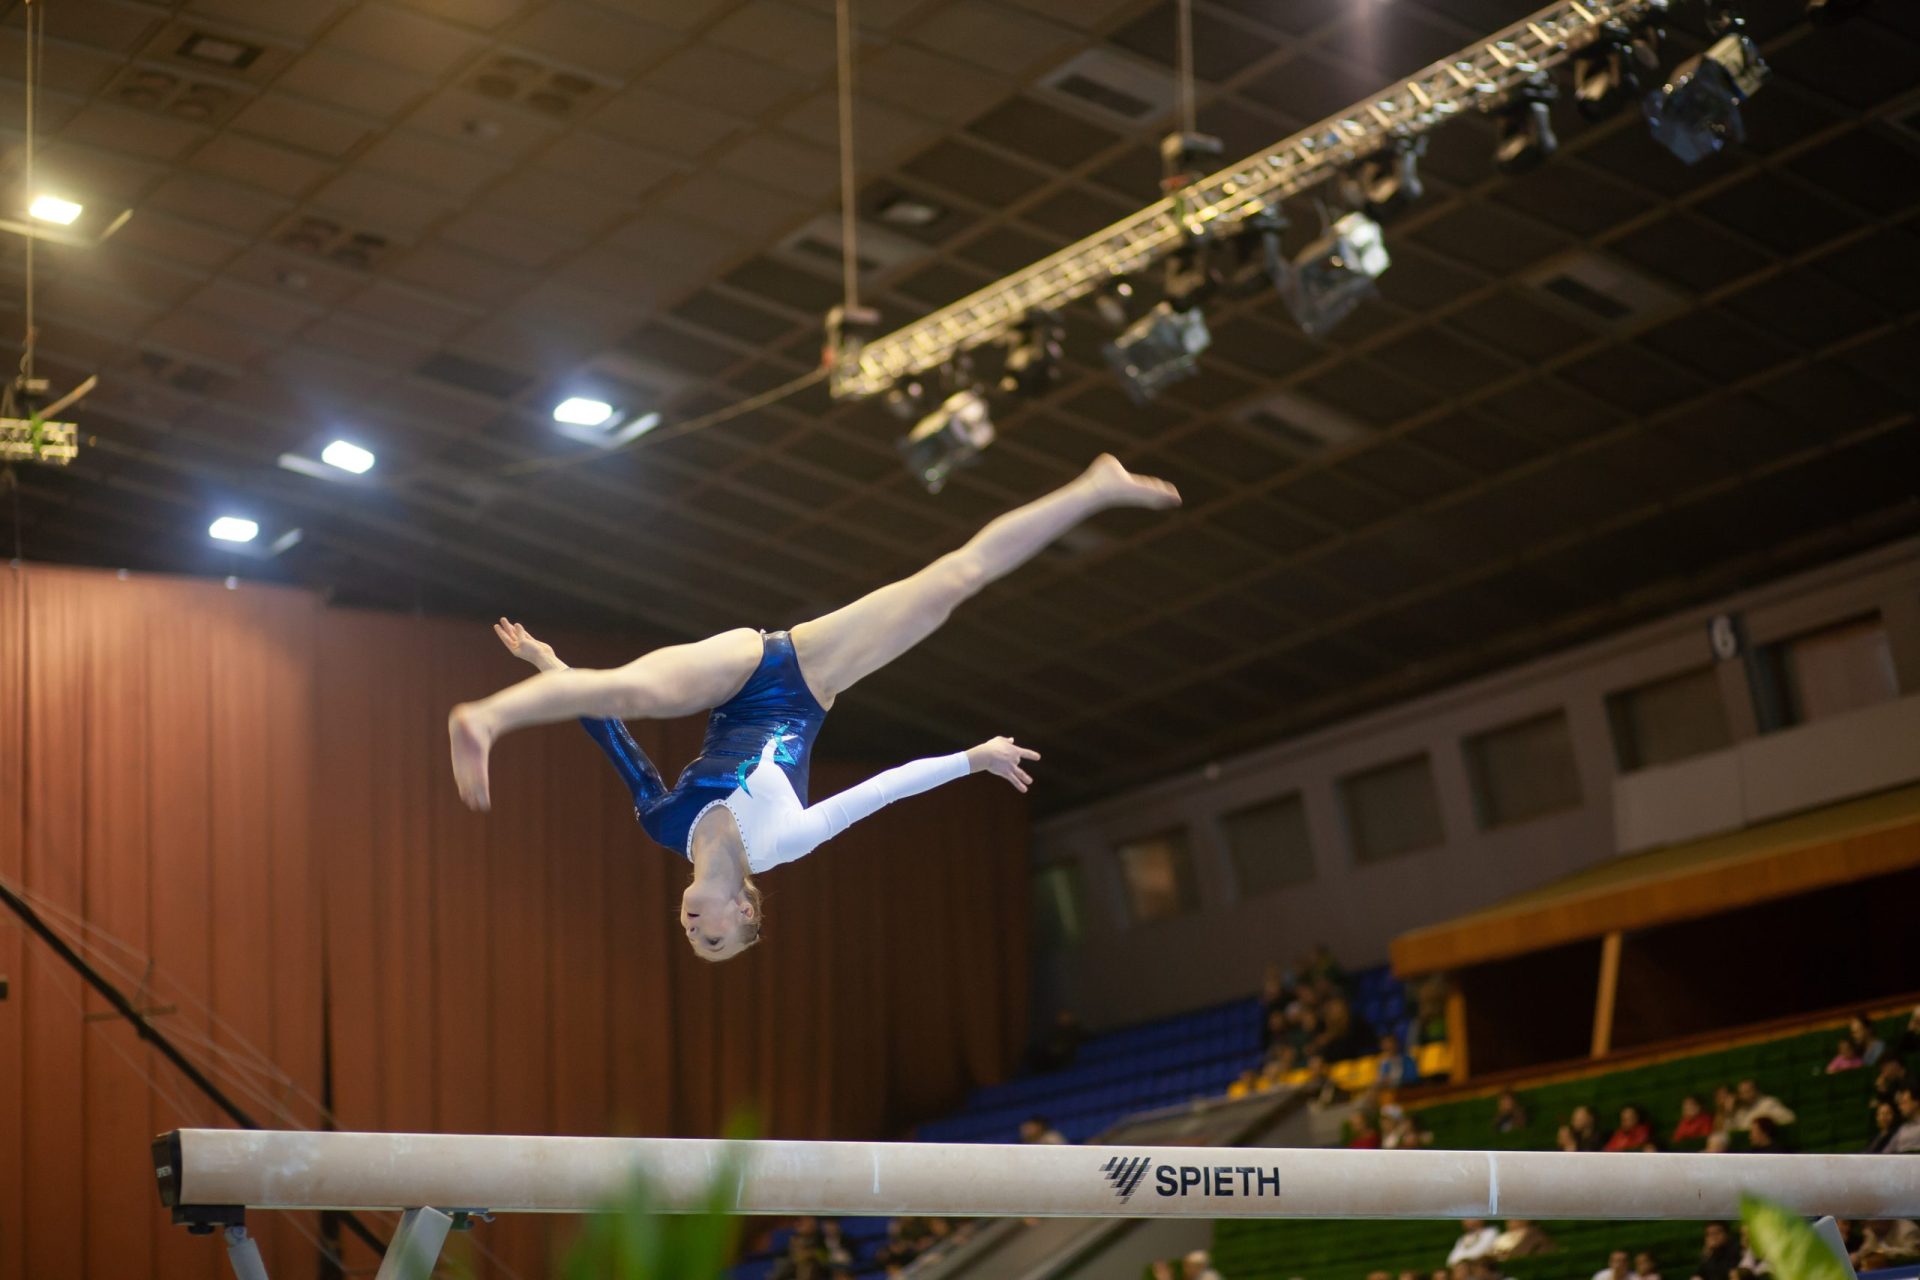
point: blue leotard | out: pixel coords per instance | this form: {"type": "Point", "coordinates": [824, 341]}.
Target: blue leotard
{"type": "Point", "coordinates": [759, 743]}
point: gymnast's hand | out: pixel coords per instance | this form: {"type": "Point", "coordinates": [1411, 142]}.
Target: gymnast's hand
{"type": "Point", "coordinates": [521, 644]}
{"type": "Point", "coordinates": [1002, 757]}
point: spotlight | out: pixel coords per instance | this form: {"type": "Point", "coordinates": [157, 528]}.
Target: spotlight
{"type": "Point", "coordinates": [578, 411]}
{"type": "Point", "coordinates": [347, 457]}
{"type": "Point", "coordinates": [1160, 347]}
{"type": "Point", "coordinates": [234, 529]}
{"type": "Point", "coordinates": [1111, 302]}
{"type": "Point", "coordinates": [1033, 355]}
{"type": "Point", "coordinates": [54, 209]}
{"type": "Point", "coordinates": [1386, 182]}
{"type": "Point", "coordinates": [948, 438]}
{"type": "Point", "coordinates": [1255, 261]}
{"type": "Point", "coordinates": [1610, 72]}
{"type": "Point", "coordinates": [1526, 128]}
{"type": "Point", "coordinates": [1335, 274]}
{"type": "Point", "coordinates": [1697, 111]}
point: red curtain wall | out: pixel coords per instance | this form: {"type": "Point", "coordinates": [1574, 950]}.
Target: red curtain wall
{"type": "Point", "coordinates": [252, 790]}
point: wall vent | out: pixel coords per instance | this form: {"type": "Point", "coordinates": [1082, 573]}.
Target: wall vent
{"type": "Point", "coordinates": [171, 93]}
{"type": "Point", "coordinates": [1301, 426]}
{"type": "Point", "coordinates": [816, 246]}
{"type": "Point", "coordinates": [538, 86]}
{"type": "Point", "coordinates": [1112, 87]}
{"type": "Point", "coordinates": [208, 51]}
{"type": "Point", "coordinates": [1603, 291]}
{"type": "Point", "coordinates": [321, 237]}
{"type": "Point", "coordinates": [181, 374]}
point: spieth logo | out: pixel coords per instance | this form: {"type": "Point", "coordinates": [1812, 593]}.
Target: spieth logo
{"type": "Point", "coordinates": [1125, 1172]}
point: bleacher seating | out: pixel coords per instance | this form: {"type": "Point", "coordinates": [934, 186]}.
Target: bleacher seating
{"type": "Point", "coordinates": [1831, 1111]}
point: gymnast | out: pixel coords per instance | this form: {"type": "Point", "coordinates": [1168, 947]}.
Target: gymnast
{"type": "Point", "coordinates": [741, 807]}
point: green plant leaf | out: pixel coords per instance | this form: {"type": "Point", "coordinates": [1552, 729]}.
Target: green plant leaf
{"type": "Point", "coordinates": [1788, 1243]}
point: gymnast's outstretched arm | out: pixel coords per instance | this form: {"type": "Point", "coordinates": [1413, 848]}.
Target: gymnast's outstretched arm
{"type": "Point", "coordinates": [819, 823]}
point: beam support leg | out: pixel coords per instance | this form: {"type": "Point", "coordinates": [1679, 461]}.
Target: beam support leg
{"type": "Point", "coordinates": [415, 1248]}
{"type": "Point", "coordinates": [243, 1252]}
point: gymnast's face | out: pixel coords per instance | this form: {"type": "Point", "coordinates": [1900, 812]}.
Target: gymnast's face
{"type": "Point", "coordinates": [718, 927]}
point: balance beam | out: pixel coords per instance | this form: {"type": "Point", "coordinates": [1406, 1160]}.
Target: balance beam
{"type": "Point", "coordinates": [212, 1169]}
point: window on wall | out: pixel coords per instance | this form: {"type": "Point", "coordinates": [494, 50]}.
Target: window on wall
{"type": "Point", "coordinates": [1667, 720]}
{"type": "Point", "coordinates": [1392, 809]}
{"type": "Point", "coordinates": [1269, 845]}
{"type": "Point", "coordinates": [1158, 871]}
{"type": "Point", "coordinates": [1832, 671]}
{"type": "Point", "coordinates": [1059, 911]}
{"type": "Point", "coordinates": [1523, 770]}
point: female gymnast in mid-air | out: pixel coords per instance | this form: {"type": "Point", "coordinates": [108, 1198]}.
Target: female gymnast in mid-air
{"type": "Point", "coordinates": [741, 807]}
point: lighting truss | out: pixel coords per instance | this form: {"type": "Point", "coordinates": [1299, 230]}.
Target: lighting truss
{"type": "Point", "coordinates": [1411, 107]}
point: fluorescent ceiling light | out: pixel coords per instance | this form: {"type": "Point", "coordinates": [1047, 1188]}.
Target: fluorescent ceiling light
{"type": "Point", "coordinates": [347, 457]}
{"type": "Point", "coordinates": [577, 411]}
{"type": "Point", "coordinates": [54, 209]}
{"type": "Point", "coordinates": [234, 529]}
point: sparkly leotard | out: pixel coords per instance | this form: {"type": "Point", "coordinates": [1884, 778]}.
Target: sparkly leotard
{"type": "Point", "coordinates": [754, 760]}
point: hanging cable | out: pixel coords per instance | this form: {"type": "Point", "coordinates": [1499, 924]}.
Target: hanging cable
{"type": "Point", "coordinates": [849, 248]}
{"type": "Point", "coordinates": [34, 13]}
{"type": "Point", "coordinates": [1185, 37]}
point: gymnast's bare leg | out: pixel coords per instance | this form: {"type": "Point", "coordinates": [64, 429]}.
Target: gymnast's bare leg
{"type": "Point", "coordinates": [834, 651]}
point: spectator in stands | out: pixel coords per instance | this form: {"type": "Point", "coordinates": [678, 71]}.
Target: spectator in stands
{"type": "Point", "coordinates": [1644, 1267]}
{"type": "Point", "coordinates": [1752, 1102]}
{"type": "Point", "coordinates": [1906, 1138]}
{"type": "Point", "coordinates": [1719, 1255]}
{"type": "Point", "coordinates": [1397, 1067]}
{"type": "Point", "coordinates": [1508, 1115]}
{"type": "Point", "coordinates": [1766, 1139]}
{"type": "Point", "coordinates": [1892, 1075]}
{"type": "Point", "coordinates": [1164, 1270]}
{"type": "Point", "coordinates": [1695, 1124]}
{"type": "Point", "coordinates": [1343, 1033]}
{"type": "Point", "coordinates": [1872, 1047]}
{"type": "Point", "coordinates": [1581, 1133]}
{"type": "Point", "coordinates": [1886, 1121]}
{"type": "Point", "coordinates": [1846, 1057]}
{"type": "Point", "coordinates": [1725, 1103]}
{"type": "Point", "coordinates": [1476, 1241]}
{"type": "Point", "coordinates": [1379, 1275]}
{"type": "Point", "coordinates": [1040, 1130]}
{"type": "Point", "coordinates": [1907, 1045]}
{"type": "Point", "coordinates": [1718, 1143]}
{"type": "Point", "coordinates": [1400, 1132]}
{"type": "Point", "coordinates": [1198, 1265]}
{"type": "Point", "coordinates": [1321, 966]}
{"type": "Point", "coordinates": [1619, 1267]}
{"type": "Point", "coordinates": [1750, 1262]}
{"type": "Point", "coordinates": [1633, 1133]}
{"type": "Point", "coordinates": [1897, 1238]}
{"type": "Point", "coordinates": [1521, 1239]}
{"type": "Point", "coordinates": [1363, 1130]}
{"type": "Point", "coordinates": [1319, 1087]}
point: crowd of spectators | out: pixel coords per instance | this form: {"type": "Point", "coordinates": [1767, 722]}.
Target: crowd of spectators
{"type": "Point", "coordinates": [1197, 1265]}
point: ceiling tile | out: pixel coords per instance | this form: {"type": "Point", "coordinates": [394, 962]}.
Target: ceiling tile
{"type": "Point", "coordinates": [738, 208]}
{"type": "Point", "coordinates": [710, 75]}
{"type": "Point", "coordinates": [996, 37]}
{"type": "Point", "coordinates": [411, 41]}
{"type": "Point", "coordinates": [448, 269]}
{"type": "Point", "coordinates": [354, 83]}
{"type": "Point", "coordinates": [637, 115]}
{"type": "Point", "coordinates": [140, 133]}
{"type": "Point", "coordinates": [807, 171]}
{"type": "Point", "coordinates": [1689, 252]}
{"type": "Point", "coordinates": [496, 128]}
{"type": "Point", "coordinates": [261, 164]}
{"type": "Point", "coordinates": [299, 18]}
{"type": "Point", "coordinates": [1221, 49]}
{"type": "Point", "coordinates": [306, 126]}
{"type": "Point", "coordinates": [424, 160]}
{"type": "Point", "coordinates": [485, 15]}
{"type": "Point", "coordinates": [1041, 133]}
{"type": "Point", "coordinates": [374, 201]}
{"type": "Point", "coordinates": [596, 39]}
{"type": "Point", "coordinates": [787, 35]}
{"type": "Point", "coordinates": [881, 134]}
{"type": "Point", "coordinates": [218, 203]}
{"type": "Point", "coordinates": [929, 84]}
{"type": "Point", "coordinates": [514, 240]}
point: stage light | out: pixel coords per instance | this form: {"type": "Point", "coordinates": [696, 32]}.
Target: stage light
{"type": "Point", "coordinates": [54, 209]}
{"type": "Point", "coordinates": [1160, 347]}
{"type": "Point", "coordinates": [1697, 112]}
{"type": "Point", "coordinates": [1612, 71]}
{"type": "Point", "coordinates": [1335, 274]}
{"type": "Point", "coordinates": [1526, 127]}
{"type": "Point", "coordinates": [233, 529]}
{"type": "Point", "coordinates": [1112, 301]}
{"type": "Point", "coordinates": [1033, 355]}
{"type": "Point", "coordinates": [948, 438]}
{"type": "Point", "coordinates": [1386, 182]}
{"type": "Point", "coordinates": [347, 457]}
{"type": "Point", "coordinates": [579, 411]}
